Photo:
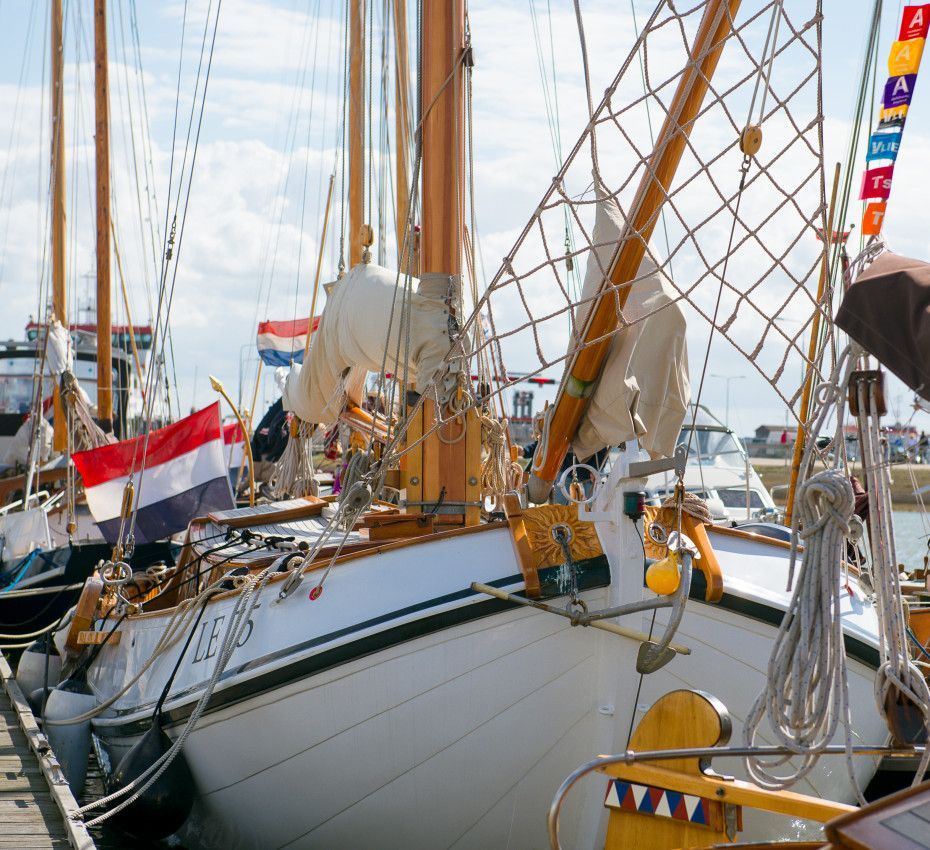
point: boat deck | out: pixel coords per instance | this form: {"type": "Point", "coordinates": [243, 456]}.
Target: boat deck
{"type": "Point", "coordinates": [35, 800]}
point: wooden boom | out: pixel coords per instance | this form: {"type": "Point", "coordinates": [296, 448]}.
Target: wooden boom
{"type": "Point", "coordinates": [581, 378]}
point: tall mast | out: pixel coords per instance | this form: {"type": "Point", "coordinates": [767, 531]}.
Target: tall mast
{"type": "Point", "coordinates": [450, 460]}
{"type": "Point", "coordinates": [59, 294]}
{"type": "Point", "coordinates": [582, 374]}
{"type": "Point", "coordinates": [443, 117]}
{"type": "Point", "coordinates": [356, 131]}
{"type": "Point", "coordinates": [402, 130]}
{"type": "Point", "coordinates": [102, 112]}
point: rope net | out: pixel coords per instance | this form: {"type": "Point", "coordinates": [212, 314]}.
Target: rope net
{"type": "Point", "coordinates": [734, 228]}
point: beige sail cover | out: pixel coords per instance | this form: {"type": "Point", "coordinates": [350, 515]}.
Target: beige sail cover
{"type": "Point", "coordinates": [363, 317]}
{"type": "Point", "coordinates": [644, 390]}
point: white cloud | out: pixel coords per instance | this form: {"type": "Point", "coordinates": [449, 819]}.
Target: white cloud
{"type": "Point", "coordinates": [245, 212]}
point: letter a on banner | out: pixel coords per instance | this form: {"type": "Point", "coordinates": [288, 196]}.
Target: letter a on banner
{"type": "Point", "coordinates": [914, 22]}
{"type": "Point", "coordinates": [905, 57]}
{"type": "Point", "coordinates": [873, 218]}
{"type": "Point", "coordinates": [898, 91]}
{"type": "Point", "coordinates": [876, 183]}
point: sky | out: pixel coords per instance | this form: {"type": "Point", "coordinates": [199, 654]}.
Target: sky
{"type": "Point", "coordinates": [269, 139]}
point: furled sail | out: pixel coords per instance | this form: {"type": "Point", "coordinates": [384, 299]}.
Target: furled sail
{"type": "Point", "coordinates": [369, 323]}
{"type": "Point", "coordinates": [644, 390]}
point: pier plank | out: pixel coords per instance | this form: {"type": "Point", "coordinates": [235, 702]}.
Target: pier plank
{"type": "Point", "coordinates": [35, 801]}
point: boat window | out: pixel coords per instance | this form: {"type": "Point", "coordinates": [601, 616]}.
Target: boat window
{"type": "Point", "coordinates": [16, 391]}
{"type": "Point", "coordinates": [718, 448]}
{"type": "Point", "coordinates": [735, 497]}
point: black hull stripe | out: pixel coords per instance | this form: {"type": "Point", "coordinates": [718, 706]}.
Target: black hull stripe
{"type": "Point", "coordinates": [594, 572]}
{"type": "Point", "coordinates": [597, 576]}
{"type": "Point", "coordinates": [855, 648]}
{"type": "Point", "coordinates": [318, 663]}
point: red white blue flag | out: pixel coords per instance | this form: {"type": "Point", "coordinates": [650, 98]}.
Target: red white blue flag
{"type": "Point", "coordinates": [185, 476]}
{"type": "Point", "coordinates": [283, 343]}
{"type": "Point", "coordinates": [234, 445]}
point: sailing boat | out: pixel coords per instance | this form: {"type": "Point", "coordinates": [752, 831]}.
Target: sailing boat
{"type": "Point", "coordinates": [422, 667]}
{"type": "Point", "coordinates": [50, 542]}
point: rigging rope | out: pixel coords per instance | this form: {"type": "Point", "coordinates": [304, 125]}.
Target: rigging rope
{"type": "Point", "coordinates": [900, 686]}
{"type": "Point", "coordinates": [806, 696]}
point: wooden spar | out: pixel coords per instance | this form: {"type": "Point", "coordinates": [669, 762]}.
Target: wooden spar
{"type": "Point", "coordinates": [59, 294]}
{"type": "Point", "coordinates": [356, 130]}
{"type": "Point", "coordinates": [102, 112]}
{"type": "Point", "coordinates": [585, 367]}
{"type": "Point", "coordinates": [443, 141]}
{"type": "Point", "coordinates": [800, 437]}
{"type": "Point", "coordinates": [451, 456]}
{"type": "Point", "coordinates": [319, 268]}
{"type": "Point", "coordinates": [402, 132]}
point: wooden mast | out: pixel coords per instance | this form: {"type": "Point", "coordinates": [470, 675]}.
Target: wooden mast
{"type": "Point", "coordinates": [59, 293]}
{"type": "Point", "coordinates": [357, 241]}
{"type": "Point", "coordinates": [102, 128]}
{"type": "Point", "coordinates": [585, 368]}
{"type": "Point", "coordinates": [402, 130]}
{"type": "Point", "coordinates": [449, 459]}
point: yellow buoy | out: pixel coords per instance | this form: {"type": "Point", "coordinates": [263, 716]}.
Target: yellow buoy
{"type": "Point", "coordinates": [664, 576]}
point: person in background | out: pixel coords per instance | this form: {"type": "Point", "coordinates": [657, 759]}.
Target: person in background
{"type": "Point", "coordinates": [923, 447]}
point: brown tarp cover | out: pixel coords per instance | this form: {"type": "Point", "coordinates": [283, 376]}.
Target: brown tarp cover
{"type": "Point", "coordinates": [887, 311]}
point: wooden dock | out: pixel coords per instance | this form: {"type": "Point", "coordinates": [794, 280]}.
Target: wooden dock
{"type": "Point", "coordinates": [36, 804]}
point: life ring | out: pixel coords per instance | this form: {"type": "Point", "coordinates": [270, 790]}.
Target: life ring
{"type": "Point", "coordinates": [84, 612]}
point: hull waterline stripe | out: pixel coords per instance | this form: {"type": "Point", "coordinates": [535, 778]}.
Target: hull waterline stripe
{"type": "Point", "coordinates": [856, 649]}
{"type": "Point", "coordinates": [598, 575]}
{"type": "Point", "coordinates": [411, 630]}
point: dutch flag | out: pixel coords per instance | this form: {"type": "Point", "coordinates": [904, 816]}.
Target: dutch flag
{"type": "Point", "coordinates": [282, 343]}
{"type": "Point", "coordinates": [185, 477]}
{"type": "Point", "coordinates": [234, 445]}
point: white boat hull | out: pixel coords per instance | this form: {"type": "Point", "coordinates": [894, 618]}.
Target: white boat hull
{"type": "Point", "coordinates": [454, 737]}
{"type": "Point", "coordinates": [457, 736]}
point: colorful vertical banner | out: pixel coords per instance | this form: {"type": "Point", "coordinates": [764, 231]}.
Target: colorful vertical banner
{"type": "Point", "coordinates": [885, 142]}
{"type": "Point", "coordinates": [914, 22]}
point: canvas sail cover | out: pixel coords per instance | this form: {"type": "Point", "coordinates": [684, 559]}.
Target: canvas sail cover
{"type": "Point", "coordinates": [644, 390]}
{"type": "Point", "coordinates": [887, 311]}
{"type": "Point", "coordinates": [366, 326]}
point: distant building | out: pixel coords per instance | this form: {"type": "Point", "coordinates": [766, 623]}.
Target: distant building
{"type": "Point", "coordinates": [776, 434]}
{"type": "Point", "coordinates": [521, 423]}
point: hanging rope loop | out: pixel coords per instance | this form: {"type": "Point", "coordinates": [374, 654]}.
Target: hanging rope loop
{"type": "Point", "coordinates": [806, 697]}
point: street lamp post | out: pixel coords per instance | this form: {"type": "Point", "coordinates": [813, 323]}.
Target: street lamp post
{"type": "Point", "coordinates": [728, 378]}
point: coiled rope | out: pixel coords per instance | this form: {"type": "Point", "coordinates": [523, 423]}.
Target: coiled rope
{"type": "Point", "coordinates": [899, 683]}
{"type": "Point", "coordinates": [806, 695]}
{"type": "Point", "coordinates": [806, 692]}
{"type": "Point", "coordinates": [499, 474]}
{"type": "Point", "coordinates": [293, 473]}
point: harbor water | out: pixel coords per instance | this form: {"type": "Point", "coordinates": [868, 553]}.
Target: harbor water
{"type": "Point", "coordinates": [911, 530]}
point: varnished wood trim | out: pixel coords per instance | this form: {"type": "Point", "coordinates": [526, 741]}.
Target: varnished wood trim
{"type": "Point", "coordinates": [728, 531]}
{"type": "Point", "coordinates": [84, 612]}
{"type": "Point", "coordinates": [323, 562]}
{"type": "Point", "coordinates": [521, 544]}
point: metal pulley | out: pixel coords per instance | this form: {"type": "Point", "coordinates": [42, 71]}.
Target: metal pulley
{"type": "Point", "coordinates": [750, 140]}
